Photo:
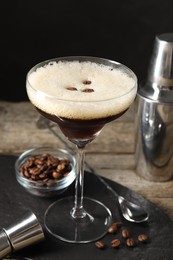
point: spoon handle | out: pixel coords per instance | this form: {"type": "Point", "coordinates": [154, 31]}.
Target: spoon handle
{"type": "Point", "coordinates": [102, 181]}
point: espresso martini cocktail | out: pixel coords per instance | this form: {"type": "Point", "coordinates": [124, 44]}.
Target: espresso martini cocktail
{"type": "Point", "coordinates": [80, 94]}
{"type": "Point", "coordinates": [83, 95]}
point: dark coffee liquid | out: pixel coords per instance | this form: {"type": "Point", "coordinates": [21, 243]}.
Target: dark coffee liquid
{"type": "Point", "coordinates": [79, 129]}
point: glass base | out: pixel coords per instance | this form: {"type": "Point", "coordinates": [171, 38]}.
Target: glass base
{"type": "Point", "coordinates": [60, 223]}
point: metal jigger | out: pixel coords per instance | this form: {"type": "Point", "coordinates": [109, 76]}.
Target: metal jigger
{"type": "Point", "coordinates": [23, 232]}
{"type": "Point", "coordinates": [154, 117]}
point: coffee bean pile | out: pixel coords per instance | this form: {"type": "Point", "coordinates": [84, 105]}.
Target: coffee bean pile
{"type": "Point", "coordinates": [126, 237]}
{"type": "Point", "coordinates": [45, 169]}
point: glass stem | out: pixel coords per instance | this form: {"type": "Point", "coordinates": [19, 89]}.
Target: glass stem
{"type": "Point", "coordinates": [78, 211]}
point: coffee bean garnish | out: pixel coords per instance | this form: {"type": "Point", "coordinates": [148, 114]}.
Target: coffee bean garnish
{"type": "Point", "coordinates": [45, 169]}
{"type": "Point", "coordinates": [142, 238]}
{"type": "Point", "coordinates": [100, 244]}
{"type": "Point", "coordinates": [88, 90]}
{"type": "Point", "coordinates": [71, 88]}
{"type": "Point", "coordinates": [86, 82]}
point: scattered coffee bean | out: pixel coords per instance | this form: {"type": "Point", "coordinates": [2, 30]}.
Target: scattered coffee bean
{"type": "Point", "coordinates": [86, 82]}
{"type": "Point", "coordinates": [125, 233]}
{"type": "Point", "coordinates": [112, 229]}
{"type": "Point", "coordinates": [142, 238]}
{"type": "Point", "coordinates": [45, 169]}
{"type": "Point", "coordinates": [115, 243]}
{"type": "Point", "coordinates": [118, 223]}
{"type": "Point", "coordinates": [130, 242]}
{"type": "Point", "coordinates": [100, 244]}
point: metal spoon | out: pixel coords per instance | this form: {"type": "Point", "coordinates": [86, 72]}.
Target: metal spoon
{"type": "Point", "coordinates": [130, 211]}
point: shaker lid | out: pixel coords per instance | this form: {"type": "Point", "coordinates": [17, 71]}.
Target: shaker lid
{"type": "Point", "coordinates": [159, 85]}
{"type": "Point", "coordinates": [5, 247]}
{"type": "Point", "coordinates": [25, 231]}
{"type": "Point", "coordinates": [155, 93]}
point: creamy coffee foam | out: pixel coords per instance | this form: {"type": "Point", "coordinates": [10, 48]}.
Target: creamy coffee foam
{"type": "Point", "coordinates": [80, 90]}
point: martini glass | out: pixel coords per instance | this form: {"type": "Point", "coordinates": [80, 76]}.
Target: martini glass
{"type": "Point", "coordinates": [83, 95]}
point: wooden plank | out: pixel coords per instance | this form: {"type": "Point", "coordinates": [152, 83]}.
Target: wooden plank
{"type": "Point", "coordinates": [19, 131]}
{"type": "Point", "coordinates": [130, 179]}
{"type": "Point", "coordinates": [112, 161]}
{"type": "Point", "coordinates": [165, 204]}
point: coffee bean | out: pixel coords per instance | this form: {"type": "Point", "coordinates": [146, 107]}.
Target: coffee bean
{"type": "Point", "coordinates": [71, 88]}
{"type": "Point", "coordinates": [61, 167]}
{"type": "Point", "coordinates": [26, 174]}
{"type": "Point", "coordinates": [43, 156]}
{"type": "Point", "coordinates": [88, 90]}
{"type": "Point", "coordinates": [42, 167]}
{"type": "Point", "coordinates": [86, 82]}
{"type": "Point", "coordinates": [115, 243]}
{"type": "Point", "coordinates": [100, 244]}
{"type": "Point", "coordinates": [28, 163]}
{"type": "Point", "coordinates": [38, 162]}
{"type": "Point", "coordinates": [42, 176]}
{"type": "Point", "coordinates": [34, 177]}
{"type": "Point", "coordinates": [56, 175]}
{"type": "Point", "coordinates": [40, 184]}
{"type": "Point", "coordinates": [130, 242]}
{"type": "Point", "coordinates": [34, 171]}
{"type": "Point", "coordinates": [125, 233]}
{"type": "Point", "coordinates": [45, 180]}
{"type": "Point", "coordinates": [118, 223]}
{"type": "Point", "coordinates": [142, 238]}
{"type": "Point", "coordinates": [50, 183]}
{"type": "Point", "coordinates": [112, 229]}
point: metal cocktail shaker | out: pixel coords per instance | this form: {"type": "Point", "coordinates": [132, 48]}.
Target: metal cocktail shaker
{"type": "Point", "coordinates": [25, 231]}
{"type": "Point", "coordinates": [154, 115]}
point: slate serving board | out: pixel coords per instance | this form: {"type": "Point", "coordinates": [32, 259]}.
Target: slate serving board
{"type": "Point", "coordinates": [14, 201]}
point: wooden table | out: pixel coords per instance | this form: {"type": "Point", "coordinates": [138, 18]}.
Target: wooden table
{"type": "Point", "coordinates": [111, 154]}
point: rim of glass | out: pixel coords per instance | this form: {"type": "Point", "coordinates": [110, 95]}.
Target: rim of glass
{"type": "Point", "coordinates": [97, 60]}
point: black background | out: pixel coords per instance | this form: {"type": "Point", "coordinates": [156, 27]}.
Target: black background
{"type": "Point", "coordinates": [34, 30]}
